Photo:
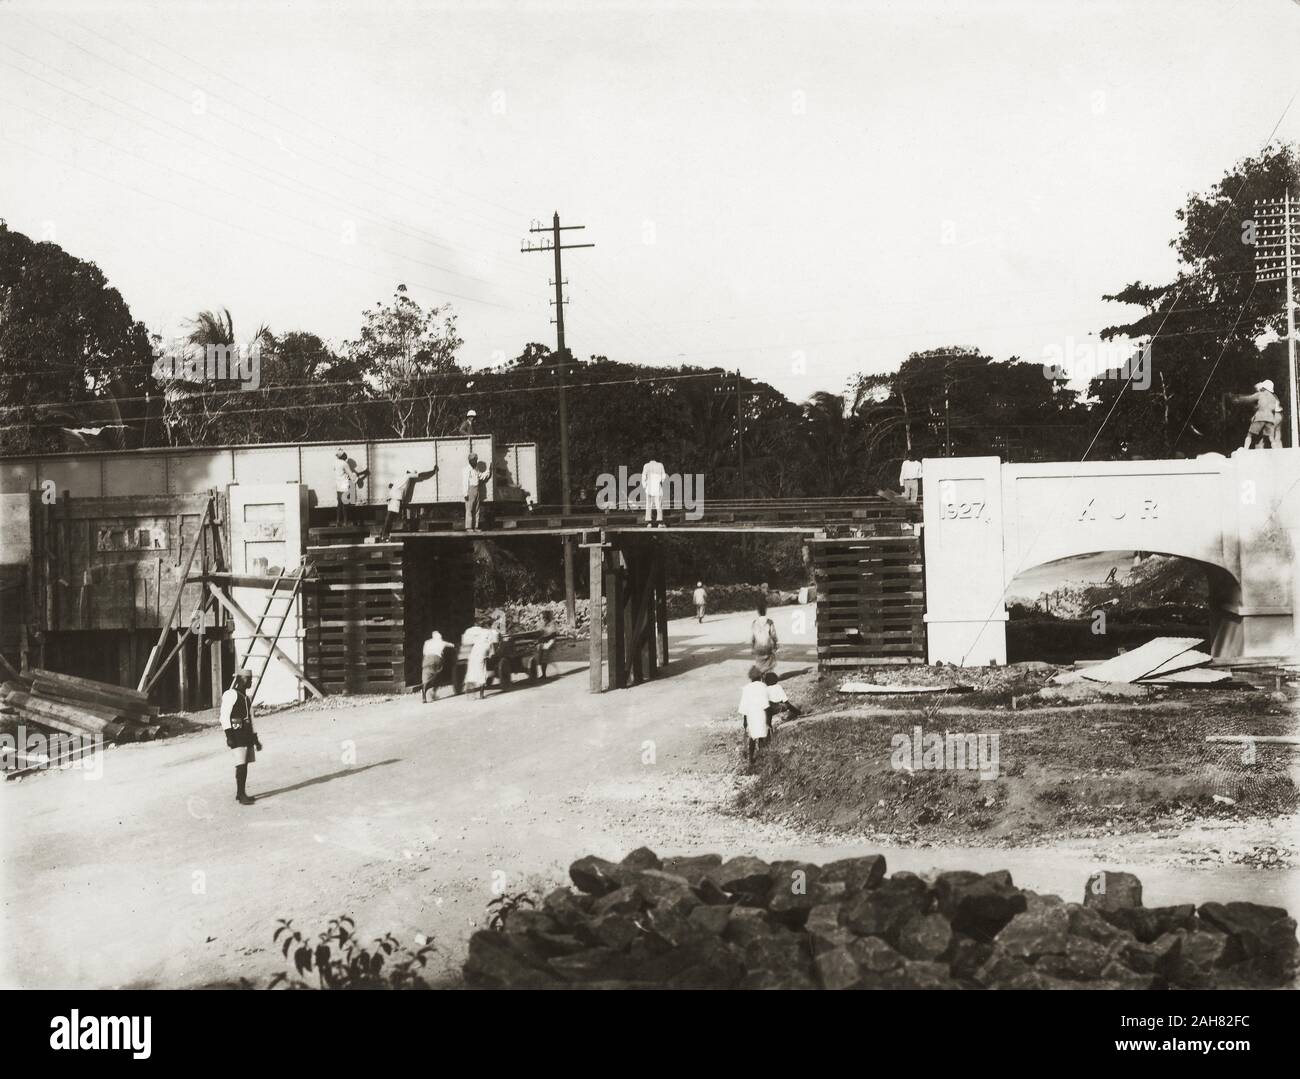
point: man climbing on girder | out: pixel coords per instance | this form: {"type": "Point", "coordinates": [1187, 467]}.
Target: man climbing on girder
{"type": "Point", "coordinates": [1268, 414]}
{"type": "Point", "coordinates": [475, 477]}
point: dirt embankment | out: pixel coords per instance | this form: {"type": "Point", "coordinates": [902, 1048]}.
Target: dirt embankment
{"type": "Point", "coordinates": [1106, 768]}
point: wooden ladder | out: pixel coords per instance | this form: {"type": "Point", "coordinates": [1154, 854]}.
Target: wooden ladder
{"type": "Point", "coordinates": [284, 590]}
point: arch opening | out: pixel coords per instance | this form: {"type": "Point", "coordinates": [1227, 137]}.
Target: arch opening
{"type": "Point", "coordinates": [1089, 606]}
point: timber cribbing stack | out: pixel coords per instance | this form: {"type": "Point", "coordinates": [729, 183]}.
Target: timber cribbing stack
{"type": "Point", "coordinates": [354, 618]}
{"type": "Point", "coordinates": [870, 599]}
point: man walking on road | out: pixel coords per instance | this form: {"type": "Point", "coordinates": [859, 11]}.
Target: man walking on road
{"type": "Point", "coordinates": [699, 597]}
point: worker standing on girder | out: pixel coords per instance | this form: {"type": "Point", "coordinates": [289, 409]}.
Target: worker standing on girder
{"type": "Point", "coordinates": [347, 487]}
{"type": "Point", "coordinates": [909, 477]}
{"type": "Point", "coordinates": [1268, 414]}
{"type": "Point", "coordinates": [652, 485]}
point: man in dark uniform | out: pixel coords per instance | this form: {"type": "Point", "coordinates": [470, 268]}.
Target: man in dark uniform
{"type": "Point", "coordinates": [237, 722]}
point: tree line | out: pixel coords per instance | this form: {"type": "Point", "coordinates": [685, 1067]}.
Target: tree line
{"type": "Point", "coordinates": [77, 369]}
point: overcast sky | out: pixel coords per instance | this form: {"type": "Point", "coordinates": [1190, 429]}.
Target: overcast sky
{"type": "Point", "coordinates": [783, 188]}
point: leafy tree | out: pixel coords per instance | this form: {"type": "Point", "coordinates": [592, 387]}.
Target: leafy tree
{"type": "Point", "coordinates": [1209, 328]}
{"type": "Point", "coordinates": [71, 354]}
{"type": "Point", "coordinates": [405, 357]}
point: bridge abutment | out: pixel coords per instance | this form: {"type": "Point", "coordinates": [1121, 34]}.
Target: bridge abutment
{"type": "Point", "coordinates": [987, 522]}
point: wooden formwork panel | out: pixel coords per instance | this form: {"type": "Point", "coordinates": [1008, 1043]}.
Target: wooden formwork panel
{"type": "Point", "coordinates": [870, 600]}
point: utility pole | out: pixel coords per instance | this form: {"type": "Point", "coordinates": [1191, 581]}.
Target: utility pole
{"type": "Point", "coordinates": [741, 394]}
{"type": "Point", "coordinates": [740, 430]}
{"type": "Point", "coordinates": [1275, 257]}
{"type": "Point", "coordinates": [562, 355]}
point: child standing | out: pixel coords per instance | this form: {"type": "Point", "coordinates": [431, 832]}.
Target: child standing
{"type": "Point", "coordinates": [777, 701]}
{"type": "Point", "coordinates": [753, 710]}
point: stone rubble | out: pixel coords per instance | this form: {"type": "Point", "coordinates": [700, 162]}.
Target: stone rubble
{"type": "Point", "coordinates": [701, 922]}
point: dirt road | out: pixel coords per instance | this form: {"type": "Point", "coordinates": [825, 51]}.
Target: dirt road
{"type": "Point", "coordinates": [411, 817]}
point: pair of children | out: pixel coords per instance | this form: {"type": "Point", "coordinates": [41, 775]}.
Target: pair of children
{"type": "Point", "coordinates": [760, 701]}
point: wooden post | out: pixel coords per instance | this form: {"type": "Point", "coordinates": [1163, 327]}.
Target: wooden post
{"type": "Point", "coordinates": [596, 629]}
{"type": "Point", "coordinates": [201, 633]}
{"type": "Point", "coordinates": [214, 657]}
{"type": "Point", "coordinates": [124, 658]}
{"type": "Point", "coordinates": [182, 668]}
{"type": "Point", "coordinates": [632, 555]}
{"type": "Point", "coordinates": [614, 629]}
{"type": "Point", "coordinates": [661, 605]}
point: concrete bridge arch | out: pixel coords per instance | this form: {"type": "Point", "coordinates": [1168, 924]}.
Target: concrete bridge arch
{"type": "Point", "coordinates": [987, 522]}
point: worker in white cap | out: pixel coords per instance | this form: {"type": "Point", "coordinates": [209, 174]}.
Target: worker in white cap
{"type": "Point", "coordinates": [347, 483]}
{"type": "Point", "coordinates": [467, 425]}
{"type": "Point", "coordinates": [237, 722]}
{"type": "Point", "coordinates": [699, 597]}
{"type": "Point", "coordinates": [1267, 416]}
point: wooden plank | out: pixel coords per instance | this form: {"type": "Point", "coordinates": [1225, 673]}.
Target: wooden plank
{"type": "Point", "coordinates": [125, 693]}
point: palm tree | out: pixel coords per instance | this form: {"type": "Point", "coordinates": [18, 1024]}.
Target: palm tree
{"type": "Point", "coordinates": [197, 411]}
{"type": "Point", "coordinates": [832, 438]}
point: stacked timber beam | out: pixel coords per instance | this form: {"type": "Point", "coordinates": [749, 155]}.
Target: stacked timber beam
{"type": "Point", "coordinates": [80, 706]}
{"type": "Point", "coordinates": [870, 600]}
{"type": "Point", "coordinates": [354, 616]}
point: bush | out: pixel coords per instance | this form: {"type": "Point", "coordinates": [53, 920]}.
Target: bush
{"type": "Point", "coordinates": [340, 962]}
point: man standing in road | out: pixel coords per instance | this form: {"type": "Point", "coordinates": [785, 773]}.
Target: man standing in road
{"type": "Point", "coordinates": [237, 722]}
{"type": "Point", "coordinates": [652, 483]}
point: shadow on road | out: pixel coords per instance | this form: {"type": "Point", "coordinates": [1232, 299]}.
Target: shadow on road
{"type": "Point", "coordinates": [324, 779]}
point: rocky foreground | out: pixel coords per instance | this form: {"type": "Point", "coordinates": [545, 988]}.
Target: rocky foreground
{"type": "Point", "coordinates": [700, 922]}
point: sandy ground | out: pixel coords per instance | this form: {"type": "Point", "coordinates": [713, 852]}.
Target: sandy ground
{"type": "Point", "coordinates": [411, 817]}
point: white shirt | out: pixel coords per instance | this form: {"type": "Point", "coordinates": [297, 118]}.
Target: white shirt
{"type": "Point", "coordinates": [911, 471]}
{"type": "Point", "coordinates": [753, 706]}
{"type": "Point", "coordinates": [395, 501]}
{"type": "Point", "coordinates": [228, 701]}
{"type": "Point", "coordinates": [776, 695]}
{"type": "Point", "coordinates": [472, 478]}
{"type": "Point", "coordinates": [435, 645]}
{"type": "Point", "coordinates": [698, 597]}
{"type": "Point", "coordinates": [652, 478]}
{"type": "Point", "coordinates": [342, 476]}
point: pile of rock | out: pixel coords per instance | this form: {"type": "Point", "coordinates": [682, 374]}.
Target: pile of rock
{"type": "Point", "coordinates": [700, 922]}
